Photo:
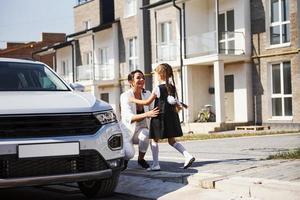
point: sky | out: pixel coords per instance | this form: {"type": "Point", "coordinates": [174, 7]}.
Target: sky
{"type": "Point", "coordinates": [25, 20]}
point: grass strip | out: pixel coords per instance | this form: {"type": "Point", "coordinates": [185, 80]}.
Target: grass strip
{"type": "Point", "coordinates": [191, 137]}
{"type": "Point", "coordinates": [292, 154]}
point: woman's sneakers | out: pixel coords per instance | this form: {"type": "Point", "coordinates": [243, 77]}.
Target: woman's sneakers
{"type": "Point", "coordinates": [154, 168]}
{"type": "Point", "coordinates": [188, 162]}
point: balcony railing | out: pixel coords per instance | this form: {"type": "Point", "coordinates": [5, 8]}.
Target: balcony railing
{"type": "Point", "coordinates": [167, 51]}
{"type": "Point", "coordinates": [84, 72]}
{"type": "Point", "coordinates": [104, 72]}
{"type": "Point", "coordinates": [205, 44]}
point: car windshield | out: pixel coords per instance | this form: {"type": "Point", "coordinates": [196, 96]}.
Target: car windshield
{"type": "Point", "coordinates": [28, 77]}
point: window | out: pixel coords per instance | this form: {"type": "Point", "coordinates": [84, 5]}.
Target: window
{"type": "Point", "coordinates": [28, 77]}
{"type": "Point", "coordinates": [167, 48]}
{"type": "Point", "coordinates": [103, 70]}
{"type": "Point", "coordinates": [226, 32]}
{"type": "Point", "coordinates": [87, 24]}
{"type": "Point", "coordinates": [81, 1]}
{"type": "Point", "coordinates": [281, 90]}
{"type": "Point", "coordinates": [104, 97]}
{"type": "Point", "coordinates": [64, 67]}
{"type": "Point", "coordinates": [130, 8]}
{"type": "Point", "coordinates": [229, 83]}
{"type": "Point", "coordinates": [132, 54]}
{"type": "Point", "coordinates": [103, 56]}
{"type": "Point", "coordinates": [279, 22]}
{"type": "Point", "coordinates": [88, 58]}
{"type": "Point", "coordinates": [166, 31]}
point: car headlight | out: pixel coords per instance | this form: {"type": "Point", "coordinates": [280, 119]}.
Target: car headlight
{"type": "Point", "coordinates": [106, 117]}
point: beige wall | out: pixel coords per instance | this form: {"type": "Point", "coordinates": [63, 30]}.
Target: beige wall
{"type": "Point", "coordinates": [87, 11]}
{"type": "Point", "coordinates": [199, 79]}
{"type": "Point", "coordinates": [129, 28]}
{"type": "Point", "coordinates": [169, 14]}
{"type": "Point", "coordinates": [265, 55]}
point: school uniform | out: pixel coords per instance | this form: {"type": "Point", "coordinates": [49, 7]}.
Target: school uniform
{"type": "Point", "coordinates": [167, 123]}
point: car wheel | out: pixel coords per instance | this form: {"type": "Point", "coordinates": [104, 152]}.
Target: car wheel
{"type": "Point", "coordinates": [102, 188]}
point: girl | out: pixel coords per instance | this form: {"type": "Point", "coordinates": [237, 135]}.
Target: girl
{"type": "Point", "coordinates": [166, 124]}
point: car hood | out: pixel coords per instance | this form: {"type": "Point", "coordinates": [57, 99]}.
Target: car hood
{"type": "Point", "coordinates": [49, 102]}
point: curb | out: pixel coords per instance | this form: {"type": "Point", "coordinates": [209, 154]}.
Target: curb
{"type": "Point", "coordinates": [248, 187]}
{"type": "Point", "coordinates": [260, 188]}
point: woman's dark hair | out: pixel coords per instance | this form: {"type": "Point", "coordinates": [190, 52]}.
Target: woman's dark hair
{"type": "Point", "coordinates": [131, 74]}
{"type": "Point", "coordinates": [131, 77]}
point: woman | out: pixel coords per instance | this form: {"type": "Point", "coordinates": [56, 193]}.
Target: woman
{"type": "Point", "coordinates": [136, 118]}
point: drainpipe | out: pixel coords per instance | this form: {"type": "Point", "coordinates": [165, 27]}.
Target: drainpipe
{"type": "Point", "coordinates": [73, 64]}
{"type": "Point", "coordinates": [93, 58]}
{"type": "Point", "coordinates": [180, 53]}
{"type": "Point", "coordinates": [217, 25]}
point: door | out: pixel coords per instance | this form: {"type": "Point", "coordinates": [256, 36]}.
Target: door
{"type": "Point", "coordinates": [229, 98]}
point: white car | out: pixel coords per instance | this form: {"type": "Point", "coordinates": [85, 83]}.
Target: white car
{"type": "Point", "coordinates": [51, 134]}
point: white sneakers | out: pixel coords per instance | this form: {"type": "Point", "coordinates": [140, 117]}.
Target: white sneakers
{"type": "Point", "coordinates": [188, 162]}
{"type": "Point", "coordinates": [154, 168]}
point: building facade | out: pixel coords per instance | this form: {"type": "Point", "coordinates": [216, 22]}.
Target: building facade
{"type": "Point", "coordinates": [240, 57]}
{"type": "Point", "coordinates": [134, 39]}
{"type": "Point", "coordinates": [26, 50]}
{"type": "Point", "coordinates": [276, 61]}
{"type": "Point", "coordinates": [213, 65]}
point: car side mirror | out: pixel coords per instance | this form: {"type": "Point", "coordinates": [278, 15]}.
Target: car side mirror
{"type": "Point", "coordinates": [77, 87]}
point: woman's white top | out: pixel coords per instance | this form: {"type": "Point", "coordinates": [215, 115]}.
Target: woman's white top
{"type": "Point", "coordinates": [128, 110]}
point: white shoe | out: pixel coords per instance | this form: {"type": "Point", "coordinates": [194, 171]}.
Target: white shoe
{"type": "Point", "coordinates": [154, 168]}
{"type": "Point", "coordinates": [188, 162]}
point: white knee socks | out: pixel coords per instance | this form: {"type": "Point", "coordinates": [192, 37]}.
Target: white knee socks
{"type": "Point", "coordinates": [182, 150]}
{"type": "Point", "coordinates": [154, 148]}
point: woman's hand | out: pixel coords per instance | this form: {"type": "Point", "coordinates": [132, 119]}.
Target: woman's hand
{"type": "Point", "coordinates": [153, 113]}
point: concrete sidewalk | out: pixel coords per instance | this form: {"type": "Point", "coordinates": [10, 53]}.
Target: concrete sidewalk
{"type": "Point", "coordinates": [156, 185]}
{"type": "Point", "coordinates": [236, 170]}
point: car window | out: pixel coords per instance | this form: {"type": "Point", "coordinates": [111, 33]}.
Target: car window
{"type": "Point", "coordinates": [28, 77]}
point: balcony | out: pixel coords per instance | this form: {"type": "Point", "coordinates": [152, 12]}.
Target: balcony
{"type": "Point", "coordinates": [84, 72]}
{"type": "Point", "coordinates": [230, 43]}
{"type": "Point", "coordinates": [167, 52]}
{"type": "Point", "coordinates": [104, 72]}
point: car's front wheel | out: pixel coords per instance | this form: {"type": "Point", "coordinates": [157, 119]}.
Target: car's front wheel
{"type": "Point", "coordinates": [102, 188]}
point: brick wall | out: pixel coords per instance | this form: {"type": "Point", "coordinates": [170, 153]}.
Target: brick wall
{"type": "Point", "coordinates": [128, 28]}
{"type": "Point", "coordinates": [87, 11]}
{"type": "Point", "coordinates": [25, 50]}
{"type": "Point", "coordinates": [263, 55]}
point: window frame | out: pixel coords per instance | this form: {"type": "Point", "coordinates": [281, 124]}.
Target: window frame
{"type": "Point", "coordinates": [87, 24]}
{"type": "Point", "coordinates": [134, 58]}
{"type": "Point", "coordinates": [130, 9]}
{"type": "Point", "coordinates": [228, 36]}
{"type": "Point", "coordinates": [169, 36]}
{"type": "Point", "coordinates": [279, 23]}
{"type": "Point", "coordinates": [281, 94]}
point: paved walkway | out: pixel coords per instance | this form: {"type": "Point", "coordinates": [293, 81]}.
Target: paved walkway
{"type": "Point", "coordinates": [236, 166]}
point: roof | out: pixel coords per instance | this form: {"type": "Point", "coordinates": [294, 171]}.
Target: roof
{"type": "Point", "coordinates": [18, 60]}
{"type": "Point", "coordinates": [55, 46]}
{"type": "Point", "coordinates": [158, 3]}
{"type": "Point", "coordinates": [94, 29]}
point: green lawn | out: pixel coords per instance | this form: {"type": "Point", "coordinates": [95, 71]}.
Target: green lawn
{"type": "Point", "coordinates": [292, 154]}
